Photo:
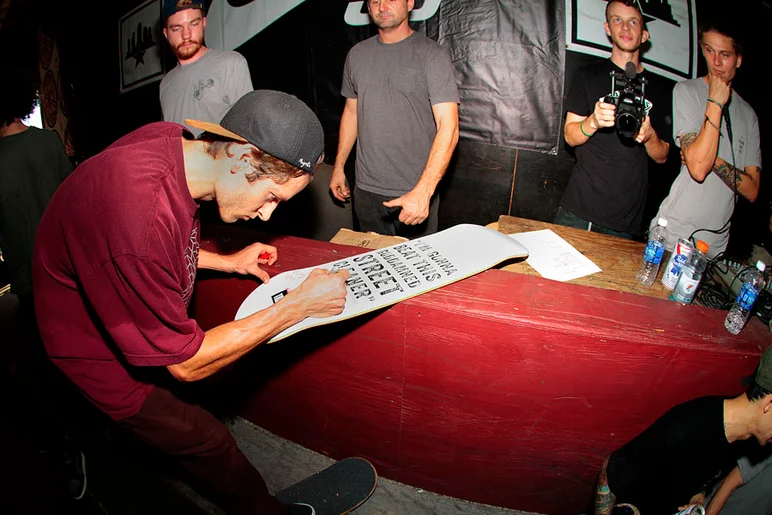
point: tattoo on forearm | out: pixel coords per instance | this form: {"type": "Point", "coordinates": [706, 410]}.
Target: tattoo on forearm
{"type": "Point", "coordinates": [731, 176]}
{"type": "Point", "coordinates": [604, 498]}
{"type": "Point", "coordinates": [687, 139]}
{"type": "Point", "coordinates": [724, 170]}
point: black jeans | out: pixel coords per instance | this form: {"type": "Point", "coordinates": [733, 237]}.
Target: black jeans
{"type": "Point", "coordinates": [568, 219]}
{"type": "Point", "coordinates": [374, 216]}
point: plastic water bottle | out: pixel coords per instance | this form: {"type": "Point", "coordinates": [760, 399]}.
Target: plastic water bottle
{"type": "Point", "coordinates": [652, 256]}
{"type": "Point", "coordinates": [741, 310]}
{"type": "Point", "coordinates": [691, 274]}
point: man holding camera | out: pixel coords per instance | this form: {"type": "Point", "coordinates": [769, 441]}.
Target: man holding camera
{"type": "Point", "coordinates": [606, 192]}
{"type": "Point", "coordinates": [718, 133]}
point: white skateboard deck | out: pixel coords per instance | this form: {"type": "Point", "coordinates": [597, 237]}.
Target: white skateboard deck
{"type": "Point", "coordinates": [383, 277]}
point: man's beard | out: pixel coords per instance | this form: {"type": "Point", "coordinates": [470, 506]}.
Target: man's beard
{"type": "Point", "coordinates": [186, 52]}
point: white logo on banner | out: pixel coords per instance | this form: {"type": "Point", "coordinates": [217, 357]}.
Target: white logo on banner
{"type": "Point", "coordinates": [356, 13]}
{"type": "Point", "coordinates": [672, 48]}
{"type": "Point", "coordinates": [228, 27]}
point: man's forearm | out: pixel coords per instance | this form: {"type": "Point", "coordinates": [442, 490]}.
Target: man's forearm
{"type": "Point", "coordinates": [737, 179]}
{"type": "Point", "coordinates": [578, 132]}
{"type": "Point", "coordinates": [701, 148]}
{"type": "Point", "coordinates": [349, 130]}
{"type": "Point", "coordinates": [212, 261]}
{"type": "Point", "coordinates": [657, 149]}
{"type": "Point", "coordinates": [227, 343]}
{"type": "Point", "coordinates": [604, 498]}
{"type": "Point", "coordinates": [439, 158]}
{"type": "Point", "coordinates": [730, 483]}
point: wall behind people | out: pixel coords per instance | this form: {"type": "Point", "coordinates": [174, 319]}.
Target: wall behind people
{"type": "Point", "coordinates": [302, 53]}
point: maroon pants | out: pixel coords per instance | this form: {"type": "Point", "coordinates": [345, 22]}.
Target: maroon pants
{"type": "Point", "coordinates": [205, 448]}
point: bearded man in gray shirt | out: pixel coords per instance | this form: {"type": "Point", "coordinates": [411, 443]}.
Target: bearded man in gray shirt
{"type": "Point", "coordinates": [402, 111]}
{"type": "Point", "coordinates": [206, 82]}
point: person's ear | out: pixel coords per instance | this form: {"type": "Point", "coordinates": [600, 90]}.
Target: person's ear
{"type": "Point", "coordinates": [607, 28]}
{"type": "Point", "coordinates": [241, 157]}
{"type": "Point", "coordinates": [644, 36]}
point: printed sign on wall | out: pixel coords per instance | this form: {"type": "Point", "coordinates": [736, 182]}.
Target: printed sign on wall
{"type": "Point", "coordinates": [671, 50]}
{"type": "Point", "coordinates": [140, 43]}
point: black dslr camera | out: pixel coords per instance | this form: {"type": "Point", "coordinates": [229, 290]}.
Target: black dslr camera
{"type": "Point", "coordinates": [628, 94]}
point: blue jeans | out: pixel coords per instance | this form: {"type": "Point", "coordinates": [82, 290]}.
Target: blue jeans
{"type": "Point", "coordinates": [567, 218]}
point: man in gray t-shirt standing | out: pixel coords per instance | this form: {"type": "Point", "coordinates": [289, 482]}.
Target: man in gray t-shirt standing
{"type": "Point", "coordinates": [402, 111]}
{"type": "Point", "coordinates": [206, 82]}
{"type": "Point", "coordinates": [718, 133]}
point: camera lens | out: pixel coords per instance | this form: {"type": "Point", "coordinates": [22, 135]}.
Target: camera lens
{"type": "Point", "coordinates": [627, 123]}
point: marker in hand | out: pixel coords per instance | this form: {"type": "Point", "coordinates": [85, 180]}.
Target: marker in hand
{"type": "Point", "coordinates": [264, 255]}
{"type": "Point", "coordinates": [334, 269]}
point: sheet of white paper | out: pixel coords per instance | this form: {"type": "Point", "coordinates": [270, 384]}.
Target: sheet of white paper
{"type": "Point", "coordinates": [553, 257]}
{"type": "Point", "coordinates": [386, 276]}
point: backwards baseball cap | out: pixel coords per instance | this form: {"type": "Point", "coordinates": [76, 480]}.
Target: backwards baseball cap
{"type": "Point", "coordinates": [170, 7]}
{"type": "Point", "coordinates": [764, 372]}
{"type": "Point", "coordinates": [275, 122]}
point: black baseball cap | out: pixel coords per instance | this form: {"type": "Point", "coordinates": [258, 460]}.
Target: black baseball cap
{"type": "Point", "coordinates": [275, 122]}
{"type": "Point", "coordinates": [764, 371]}
{"type": "Point", "coordinates": [170, 7]}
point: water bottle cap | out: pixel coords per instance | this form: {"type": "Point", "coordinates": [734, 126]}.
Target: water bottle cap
{"type": "Point", "coordinates": [662, 221]}
{"type": "Point", "coordinates": [761, 266]}
{"type": "Point", "coordinates": [702, 246]}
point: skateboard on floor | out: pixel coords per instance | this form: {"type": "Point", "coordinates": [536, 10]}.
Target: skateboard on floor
{"type": "Point", "coordinates": [336, 490]}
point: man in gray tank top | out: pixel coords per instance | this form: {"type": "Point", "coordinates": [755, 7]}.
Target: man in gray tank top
{"type": "Point", "coordinates": [206, 82]}
{"type": "Point", "coordinates": [718, 133]}
{"type": "Point", "coordinates": [402, 111]}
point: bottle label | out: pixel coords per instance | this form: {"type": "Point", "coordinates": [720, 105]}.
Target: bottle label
{"type": "Point", "coordinates": [686, 287]}
{"type": "Point", "coordinates": [673, 272]}
{"type": "Point", "coordinates": [747, 296]}
{"type": "Point", "coordinates": [654, 251]}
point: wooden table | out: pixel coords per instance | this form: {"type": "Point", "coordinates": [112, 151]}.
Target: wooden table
{"type": "Point", "coordinates": [617, 258]}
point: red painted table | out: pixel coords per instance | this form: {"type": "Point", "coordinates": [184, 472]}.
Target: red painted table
{"type": "Point", "coordinates": [503, 388]}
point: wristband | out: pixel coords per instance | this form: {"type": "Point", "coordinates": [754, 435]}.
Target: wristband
{"type": "Point", "coordinates": [582, 129]}
{"type": "Point", "coordinates": [714, 125]}
{"type": "Point", "coordinates": [719, 104]}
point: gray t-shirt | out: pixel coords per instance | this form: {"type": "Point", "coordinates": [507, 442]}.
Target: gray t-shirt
{"type": "Point", "coordinates": [754, 497]}
{"type": "Point", "coordinates": [708, 205]}
{"type": "Point", "coordinates": [396, 86]}
{"type": "Point", "coordinates": [204, 89]}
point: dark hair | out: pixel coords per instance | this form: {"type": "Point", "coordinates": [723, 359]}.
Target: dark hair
{"type": "Point", "coordinates": [18, 97]}
{"type": "Point", "coordinates": [725, 26]}
{"type": "Point", "coordinates": [629, 3]}
{"type": "Point", "coordinates": [756, 392]}
{"type": "Point", "coordinates": [165, 21]}
{"type": "Point", "coordinates": [264, 165]}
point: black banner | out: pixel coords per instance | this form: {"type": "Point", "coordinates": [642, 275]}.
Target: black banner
{"type": "Point", "coordinates": [508, 57]}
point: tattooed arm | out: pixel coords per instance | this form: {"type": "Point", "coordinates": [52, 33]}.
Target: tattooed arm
{"type": "Point", "coordinates": [746, 181]}
{"type": "Point", "coordinates": [604, 497]}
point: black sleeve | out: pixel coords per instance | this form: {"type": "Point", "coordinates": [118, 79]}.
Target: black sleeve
{"type": "Point", "coordinates": [660, 93]}
{"type": "Point", "coordinates": [576, 101]}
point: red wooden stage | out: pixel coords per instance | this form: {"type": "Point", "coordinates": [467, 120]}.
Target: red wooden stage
{"type": "Point", "coordinates": [503, 388]}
